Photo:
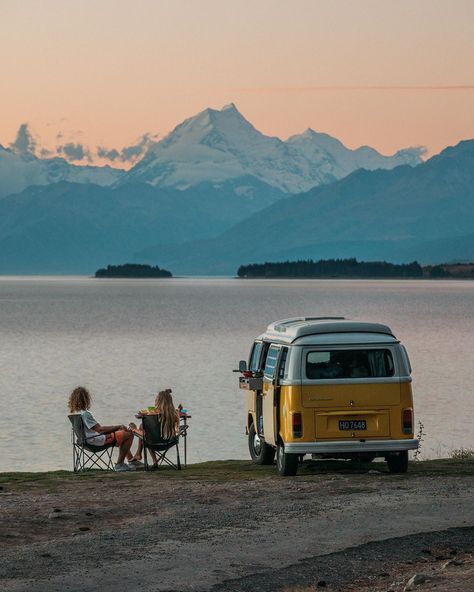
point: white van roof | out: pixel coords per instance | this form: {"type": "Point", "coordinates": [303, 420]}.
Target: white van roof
{"type": "Point", "coordinates": [289, 330]}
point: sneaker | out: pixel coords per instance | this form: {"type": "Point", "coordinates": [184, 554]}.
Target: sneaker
{"type": "Point", "coordinates": [122, 467]}
{"type": "Point", "coordinates": [137, 464]}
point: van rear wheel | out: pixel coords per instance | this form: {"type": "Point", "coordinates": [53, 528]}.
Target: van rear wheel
{"type": "Point", "coordinates": [260, 452]}
{"type": "Point", "coordinates": [287, 464]}
{"type": "Point", "coordinates": [398, 463]}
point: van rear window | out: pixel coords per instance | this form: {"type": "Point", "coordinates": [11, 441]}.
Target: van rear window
{"type": "Point", "coordinates": [345, 363]}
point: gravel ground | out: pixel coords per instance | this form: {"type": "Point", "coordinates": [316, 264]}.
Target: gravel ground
{"type": "Point", "coordinates": [236, 527]}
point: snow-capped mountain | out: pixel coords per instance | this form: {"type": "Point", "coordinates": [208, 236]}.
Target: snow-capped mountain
{"type": "Point", "coordinates": [21, 168]}
{"type": "Point", "coordinates": [215, 146]}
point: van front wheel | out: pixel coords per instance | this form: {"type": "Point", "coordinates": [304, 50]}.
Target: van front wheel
{"type": "Point", "coordinates": [287, 464]}
{"type": "Point", "coordinates": [260, 452]}
{"type": "Point", "coordinates": [398, 463]}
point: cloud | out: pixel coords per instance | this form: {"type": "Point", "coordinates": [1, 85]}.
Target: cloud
{"type": "Point", "coordinates": [128, 154]}
{"type": "Point", "coordinates": [74, 151]}
{"type": "Point", "coordinates": [24, 142]}
{"type": "Point", "coordinates": [68, 146]}
{"type": "Point", "coordinates": [111, 154]}
{"type": "Point", "coordinates": [45, 153]}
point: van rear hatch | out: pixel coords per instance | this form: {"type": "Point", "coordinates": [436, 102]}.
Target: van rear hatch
{"type": "Point", "coordinates": [351, 391]}
{"type": "Point", "coordinates": [348, 411]}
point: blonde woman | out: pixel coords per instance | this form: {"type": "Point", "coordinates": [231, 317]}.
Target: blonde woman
{"type": "Point", "coordinates": [99, 435]}
{"type": "Point", "coordinates": [169, 420]}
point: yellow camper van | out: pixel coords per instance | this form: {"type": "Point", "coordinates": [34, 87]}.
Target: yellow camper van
{"type": "Point", "coordinates": [331, 388]}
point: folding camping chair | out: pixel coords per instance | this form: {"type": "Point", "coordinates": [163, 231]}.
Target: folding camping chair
{"type": "Point", "coordinates": [84, 455]}
{"type": "Point", "coordinates": [153, 440]}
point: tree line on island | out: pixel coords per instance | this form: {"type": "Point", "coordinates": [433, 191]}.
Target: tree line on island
{"type": "Point", "coordinates": [349, 268]}
{"type": "Point", "coordinates": [132, 270]}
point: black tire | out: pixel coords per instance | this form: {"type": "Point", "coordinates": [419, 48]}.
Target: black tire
{"type": "Point", "coordinates": [287, 464]}
{"type": "Point", "coordinates": [260, 452]}
{"type": "Point", "coordinates": [398, 463]}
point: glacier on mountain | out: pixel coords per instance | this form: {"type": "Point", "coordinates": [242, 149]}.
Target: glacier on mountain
{"type": "Point", "coordinates": [215, 146]}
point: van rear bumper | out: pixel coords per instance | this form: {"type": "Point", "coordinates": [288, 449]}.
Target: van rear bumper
{"type": "Point", "coordinates": [351, 447]}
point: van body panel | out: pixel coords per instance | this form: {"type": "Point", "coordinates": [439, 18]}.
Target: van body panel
{"type": "Point", "coordinates": [351, 395]}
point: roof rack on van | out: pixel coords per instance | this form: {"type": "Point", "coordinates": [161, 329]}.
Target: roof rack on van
{"type": "Point", "coordinates": [289, 330]}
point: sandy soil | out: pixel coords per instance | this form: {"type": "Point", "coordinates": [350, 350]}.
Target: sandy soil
{"type": "Point", "coordinates": [233, 526]}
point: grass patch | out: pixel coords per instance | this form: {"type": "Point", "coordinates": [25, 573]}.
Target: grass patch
{"type": "Point", "coordinates": [233, 470]}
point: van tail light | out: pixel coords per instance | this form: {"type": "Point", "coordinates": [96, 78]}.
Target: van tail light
{"type": "Point", "coordinates": [297, 424]}
{"type": "Point", "coordinates": [407, 421]}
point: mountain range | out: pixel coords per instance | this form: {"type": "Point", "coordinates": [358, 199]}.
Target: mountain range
{"type": "Point", "coordinates": [211, 147]}
{"type": "Point", "coordinates": [216, 193]}
{"type": "Point", "coordinates": [424, 213]}
{"type": "Point", "coordinates": [216, 146]}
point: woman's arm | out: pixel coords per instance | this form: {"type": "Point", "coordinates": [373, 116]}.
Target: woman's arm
{"type": "Point", "coordinates": [107, 429]}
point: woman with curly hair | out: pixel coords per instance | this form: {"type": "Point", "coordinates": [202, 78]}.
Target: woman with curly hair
{"type": "Point", "coordinates": [100, 435]}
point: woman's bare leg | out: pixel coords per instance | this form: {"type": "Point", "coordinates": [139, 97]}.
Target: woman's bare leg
{"type": "Point", "coordinates": [125, 447]}
{"type": "Point", "coordinates": [138, 453]}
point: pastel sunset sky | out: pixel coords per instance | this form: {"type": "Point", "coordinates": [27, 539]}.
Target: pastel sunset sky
{"type": "Point", "coordinates": [103, 72]}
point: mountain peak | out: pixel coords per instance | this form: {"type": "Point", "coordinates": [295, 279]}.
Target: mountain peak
{"type": "Point", "coordinates": [230, 107]}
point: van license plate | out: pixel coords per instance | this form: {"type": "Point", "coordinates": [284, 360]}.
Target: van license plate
{"type": "Point", "coordinates": [352, 424]}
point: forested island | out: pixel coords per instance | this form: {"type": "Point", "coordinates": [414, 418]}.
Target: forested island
{"type": "Point", "coordinates": [351, 268]}
{"type": "Point", "coordinates": [132, 270]}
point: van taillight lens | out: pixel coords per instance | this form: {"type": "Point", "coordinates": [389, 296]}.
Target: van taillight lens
{"type": "Point", "coordinates": [407, 421]}
{"type": "Point", "coordinates": [297, 424]}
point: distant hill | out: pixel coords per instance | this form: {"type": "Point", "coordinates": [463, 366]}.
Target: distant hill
{"type": "Point", "coordinates": [424, 213]}
{"type": "Point", "coordinates": [73, 228]}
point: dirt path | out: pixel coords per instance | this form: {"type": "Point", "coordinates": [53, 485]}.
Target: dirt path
{"type": "Point", "coordinates": [233, 527]}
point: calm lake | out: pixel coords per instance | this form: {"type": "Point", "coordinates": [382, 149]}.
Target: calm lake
{"type": "Point", "coordinates": [126, 339]}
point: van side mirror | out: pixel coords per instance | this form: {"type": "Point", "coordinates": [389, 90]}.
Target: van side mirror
{"type": "Point", "coordinates": [242, 366]}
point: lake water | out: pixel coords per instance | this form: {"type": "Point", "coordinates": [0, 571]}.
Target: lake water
{"type": "Point", "coordinates": [126, 339]}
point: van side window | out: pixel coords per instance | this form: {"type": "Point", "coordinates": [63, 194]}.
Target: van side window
{"type": "Point", "coordinates": [284, 355]}
{"type": "Point", "coordinates": [270, 362]}
{"type": "Point", "coordinates": [255, 358]}
{"type": "Point", "coordinates": [357, 363]}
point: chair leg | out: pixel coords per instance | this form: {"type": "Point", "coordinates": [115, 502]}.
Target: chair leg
{"type": "Point", "coordinates": [145, 457]}
{"type": "Point", "coordinates": [84, 459]}
{"type": "Point", "coordinates": [110, 464]}
{"type": "Point", "coordinates": [177, 457]}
